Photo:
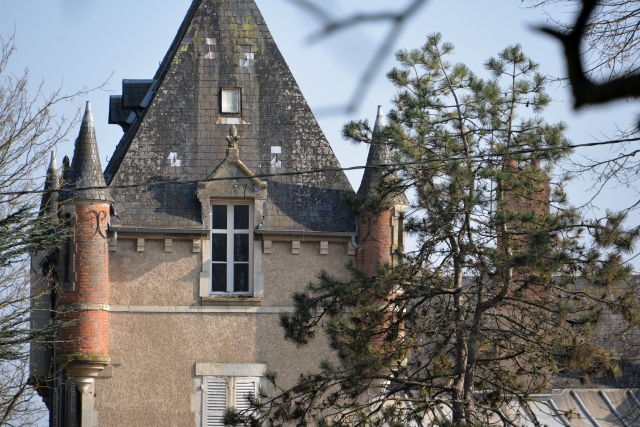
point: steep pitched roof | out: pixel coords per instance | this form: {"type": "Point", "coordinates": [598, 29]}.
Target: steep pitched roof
{"type": "Point", "coordinates": [85, 169]}
{"type": "Point", "coordinates": [180, 134]}
{"type": "Point", "coordinates": [378, 155]}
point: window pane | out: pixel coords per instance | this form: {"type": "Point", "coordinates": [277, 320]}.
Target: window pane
{"type": "Point", "coordinates": [241, 247]}
{"type": "Point", "coordinates": [219, 247]}
{"type": "Point", "coordinates": [241, 278]}
{"type": "Point", "coordinates": [230, 101]}
{"type": "Point", "coordinates": [219, 277]}
{"type": "Point", "coordinates": [219, 217]}
{"type": "Point", "coordinates": [241, 217]}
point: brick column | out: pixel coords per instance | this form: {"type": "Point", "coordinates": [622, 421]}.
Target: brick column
{"type": "Point", "coordinates": [83, 348]}
{"type": "Point", "coordinates": [376, 239]}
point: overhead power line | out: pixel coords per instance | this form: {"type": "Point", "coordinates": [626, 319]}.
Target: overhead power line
{"type": "Point", "coordinates": [323, 170]}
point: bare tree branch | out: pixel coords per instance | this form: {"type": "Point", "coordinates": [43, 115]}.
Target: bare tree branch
{"type": "Point", "coordinates": [331, 25]}
{"type": "Point", "coordinates": [585, 90]}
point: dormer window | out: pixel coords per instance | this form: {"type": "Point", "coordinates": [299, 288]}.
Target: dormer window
{"type": "Point", "coordinates": [230, 101]}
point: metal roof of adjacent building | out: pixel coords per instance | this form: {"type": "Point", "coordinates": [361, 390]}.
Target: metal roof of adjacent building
{"type": "Point", "coordinates": [562, 408]}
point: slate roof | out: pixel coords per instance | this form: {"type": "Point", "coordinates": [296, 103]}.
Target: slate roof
{"type": "Point", "coordinates": [378, 155]}
{"type": "Point", "coordinates": [85, 169]}
{"type": "Point", "coordinates": [181, 132]}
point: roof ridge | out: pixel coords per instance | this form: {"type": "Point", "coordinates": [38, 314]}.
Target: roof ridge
{"type": "Point", "coordinates": [123, 146]}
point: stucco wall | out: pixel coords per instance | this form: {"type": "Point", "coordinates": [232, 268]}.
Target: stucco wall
{"type": "Point", "coordinates": [156, 384]}
{"type": "Point", "coordinates": [285, 273]}
{"type": "Point", "coordinates": [158, 278]}
{"type": "Point", "coordinates": [154, 277]}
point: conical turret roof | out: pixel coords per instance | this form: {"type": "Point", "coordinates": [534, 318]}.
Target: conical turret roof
{"type": "Point", "coordinates": [85, 170]}
{"type": "Point", "coordinates": [378, 155]}
{"type": "Point", "coordinates": [49, 202]}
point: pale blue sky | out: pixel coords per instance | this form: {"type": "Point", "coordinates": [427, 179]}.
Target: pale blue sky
{"type": "Point", "coordinates": [81, 43]}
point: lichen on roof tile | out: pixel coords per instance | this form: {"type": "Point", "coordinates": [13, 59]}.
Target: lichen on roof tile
{"type": "Point", "coordinates": [184, 118]}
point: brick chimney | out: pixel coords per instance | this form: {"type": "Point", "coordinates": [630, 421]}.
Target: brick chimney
{"type": "Point", "coordinates": [82, 349]}
{"type": "Point", "coordinates": [536, 198]}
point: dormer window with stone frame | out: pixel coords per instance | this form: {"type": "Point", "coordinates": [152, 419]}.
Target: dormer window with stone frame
{"type": "Point", "coordinates": [231, 101]}
{"type": "Point", "coordinates": [231, 261]}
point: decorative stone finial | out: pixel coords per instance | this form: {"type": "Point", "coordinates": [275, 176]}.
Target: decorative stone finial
{"type": "Point", "coordinates": [380, 121]}
{"type": "Point", "coordinates": [233, 137]}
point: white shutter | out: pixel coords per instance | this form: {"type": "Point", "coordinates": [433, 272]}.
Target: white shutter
{"type": "Point", "coordinates": [214, 402]}
{"type": "Point", "coordinates": [244, 387]}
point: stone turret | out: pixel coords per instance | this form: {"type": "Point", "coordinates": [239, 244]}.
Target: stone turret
{"type": "Point", "coordinates": [381, 236]}
{"type": "Point", "coordinates": [49, 204]}
{"type": "Point", "coordinates": [82, 349]}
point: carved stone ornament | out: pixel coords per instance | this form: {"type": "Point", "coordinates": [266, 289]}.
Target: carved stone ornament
{"type": "Point", "coordinates": [233, 137]}
{"type": "Point", "coordinates": [238, 181]}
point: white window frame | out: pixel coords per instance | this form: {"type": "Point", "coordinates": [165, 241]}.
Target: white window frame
{"type": "Point", "coordinates": [230, 231]}
{"type": "Point", "coordinates": [213, 407]}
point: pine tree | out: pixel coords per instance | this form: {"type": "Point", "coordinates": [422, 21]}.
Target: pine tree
{"type": "Point", "coordinates": [507, 283]}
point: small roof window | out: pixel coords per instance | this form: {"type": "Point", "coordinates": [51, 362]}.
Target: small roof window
{"type": "Point", "coordinates": [230, 101]}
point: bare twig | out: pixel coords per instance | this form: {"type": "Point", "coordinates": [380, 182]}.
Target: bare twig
{"type": "Point", "coordinates": [331, 25]}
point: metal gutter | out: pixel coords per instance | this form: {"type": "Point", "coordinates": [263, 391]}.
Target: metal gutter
{"type": "Point", "coordinates": [159, 230]}
{"type": "Point", "coordinates": [308, 233]}
{"type": "Point", "coordinates": [207, 231]}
